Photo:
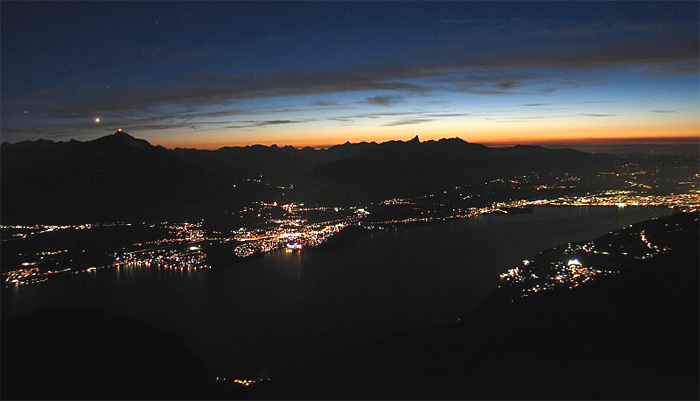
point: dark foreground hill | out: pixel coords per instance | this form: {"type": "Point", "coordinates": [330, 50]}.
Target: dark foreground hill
{"type": "Point", "coordinates": [77, 353]}
{"type": "Point", "coordinates": [633, 336]}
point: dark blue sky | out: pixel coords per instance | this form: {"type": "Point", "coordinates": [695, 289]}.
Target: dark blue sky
{"type": "Point", "coordinates": [209, 74]}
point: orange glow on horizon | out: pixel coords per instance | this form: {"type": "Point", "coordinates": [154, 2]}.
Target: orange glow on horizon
{"type": "Point", "coordinates": [508, 141]}
{"type": "Point", "coordinates": [659, 140]}
{"type": "Point", "coordinates": [647, 135]}
{"type": "Point", "coordinates": [581, 131]}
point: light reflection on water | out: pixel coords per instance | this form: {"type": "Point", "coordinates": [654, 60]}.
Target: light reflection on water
{"type": "Point", "coordinates": [285, 310]}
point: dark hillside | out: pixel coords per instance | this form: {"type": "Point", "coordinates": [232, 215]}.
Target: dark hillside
{"type": "Point", "coordinates": [633, 336]}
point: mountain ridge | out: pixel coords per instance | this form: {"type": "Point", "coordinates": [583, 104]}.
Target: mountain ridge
{"type": "Point", "coordinates": [121, 176]}
{"type": "Point", "coordinates": [124, 134]}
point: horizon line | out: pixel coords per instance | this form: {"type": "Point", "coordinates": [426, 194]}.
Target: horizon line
{"type": "Point", "coordinates": [621, 141]}
{"type": "Point", "coordinates": [506, 142]}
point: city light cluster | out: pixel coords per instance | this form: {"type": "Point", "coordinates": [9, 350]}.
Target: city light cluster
{"type": "Point", "coordinates": [30, 276]}
{"type": "Point", "coordinates": [572, 265]}
{"type": "Point", "coordinates": [284, 236]}
{"type": "Point", "coordinates": [687, 202]}
{"type": "Point", "coordinates": [190, 259]}
{"type": "Point", "coordinates": [240, 382]}
{"type": "Point", "coordinates": [396, 201]}
{"type": "Point", "coordinates": [20, 275]}
{"type": "Point", "coordinates": [558, 274]}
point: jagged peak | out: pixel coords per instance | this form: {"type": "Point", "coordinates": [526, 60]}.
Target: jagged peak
{"type": "Point", "coordinates": [414, 140]}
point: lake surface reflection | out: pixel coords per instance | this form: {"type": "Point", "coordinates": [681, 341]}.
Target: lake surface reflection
{"type": "Point", "coordinates": [283, 311]}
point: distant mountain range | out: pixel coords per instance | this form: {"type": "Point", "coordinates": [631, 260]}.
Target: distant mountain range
{"type": "Point", "coordinates": [122, 177]}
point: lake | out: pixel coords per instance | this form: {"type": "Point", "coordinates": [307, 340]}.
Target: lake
{"type": "Point", "coordinates": [283, 311]}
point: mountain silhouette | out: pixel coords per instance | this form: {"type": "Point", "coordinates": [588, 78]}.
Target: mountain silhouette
{"type": "Point", "coordinates": [279, 164]}
{"type": "Point", "coordinates": [119, 176]}
{"type": "Point", "coordinates": [113, 177]}
{"type": "Point", "coordinates": [397, 168]}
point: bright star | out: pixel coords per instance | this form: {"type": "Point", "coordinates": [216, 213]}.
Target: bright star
{"type": "Point", "coordinates": [97, 120]}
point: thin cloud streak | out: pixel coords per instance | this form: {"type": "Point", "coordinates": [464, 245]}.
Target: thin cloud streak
{"type": "Point", "coordinates": [407, 122]}
{"type": "Point", "coordinates": [383, 100]}
{"type": "Point", "coordinates": [215, 89]}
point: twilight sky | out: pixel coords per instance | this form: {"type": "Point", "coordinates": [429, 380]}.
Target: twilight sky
{"type": "Point", "coordinates": [207, 75]}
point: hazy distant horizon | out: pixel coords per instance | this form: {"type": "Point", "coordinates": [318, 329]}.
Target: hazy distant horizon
{"type": "Point", "coordinates": [672, 146]}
